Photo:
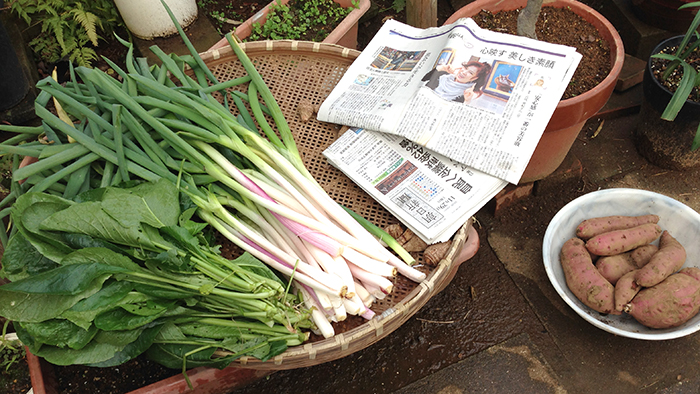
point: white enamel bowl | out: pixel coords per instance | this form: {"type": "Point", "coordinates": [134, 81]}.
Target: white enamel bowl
{"type": "Point", "coordinates": [682, 222]}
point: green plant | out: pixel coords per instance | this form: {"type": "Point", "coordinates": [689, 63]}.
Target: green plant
{"type": "Point", "coordinates": [224, 19]}
{"type": "Point", "coordinates": [691, 77]}
{"type": "Point", "coordinates": [309, 20]}
{"type": "Point", "coordinates": [69, 28]}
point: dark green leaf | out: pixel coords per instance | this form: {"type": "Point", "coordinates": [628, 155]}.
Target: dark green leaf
{"type": "Point", "coordinates": [118, 338]}
{"type": "Point", "coordinates": [46, 244]}
{"type": "Point", "coordinates": [132, 350]}
{"type": "Point", "coordinates": [149, 308]}
{"type": "Point", "coordinates": [119, 319]}
{"type": "Point", "coordinates": [251, 263]}
{"type": "Point", "coordinates": [41, 307]}
{"type": "Point", "coordinates": [61, 333]}
{"type": "Point", "coordinates": [64, 280]}
{"type": "Point", "coordinates": [90, 219]}
{"type": "Point", "coordinates": [81, 241]}
{"type": "Point", "coordinates": [680, 96]}
{"type": "Point", "coordinates": [85, 311]}
{"type": "Point", "coordinates": [171, 355]}
{"type": "Point", "coordinates": [21, 259]}
{"type": "Point", "coordinates": [101, 256]}
{"type": "Point", "coordinates": [182, 238]}
{"type": "Point", "coordinates": [92, 353]}
{"type": "Point", "coordinates": [170, 293]}
{"type": "Point", "coordinates": [197, 329]}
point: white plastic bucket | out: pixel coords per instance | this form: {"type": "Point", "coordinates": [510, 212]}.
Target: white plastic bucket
{"type": "Point", "coordinates": [148, 19]}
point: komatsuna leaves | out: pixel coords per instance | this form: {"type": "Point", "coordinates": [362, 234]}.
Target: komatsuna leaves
{"type": "Point", "coordinates": [93, 352]}
{"type": "Point", "coordinates": [22, 210]}
{"type": "Point", "coordinates": [64, 280]}
{"type": "Point", "coordinates": [158, 202]}
{"type": "Point", "coordinates": [133, 349]}
{"type": "Point", "coordinates": [19, 306]}
{"type": "Point", "coordinates": [90, 219]}
{"type": "Point", "coordinates": [101, 256]}
{"type": "Point", "coordinates": [118, 338]}
{"type": "Point", "coordinates": [251, 263]}
{"type": "Point", "coordinates": [21, 259]}
{"type": "Point", "coordinates": [85, 311]}
{"type": "Point", "coordinates": [171, 355]}
{"type": "Point", "coordinates": [61, 333]}
{"type": "Point", "coordinates": [120, 319]}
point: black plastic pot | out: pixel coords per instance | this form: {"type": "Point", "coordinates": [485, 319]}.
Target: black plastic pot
{"type": "Point", "coordinates": [666, 144]}
{"type": "Point", "coordinates": [13, 83]}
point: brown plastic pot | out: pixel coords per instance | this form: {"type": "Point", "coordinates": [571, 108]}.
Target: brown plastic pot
{"type": "Point", "coordinates": [345, 34]}
{"type": "Point", "coordinates": [571, 114]}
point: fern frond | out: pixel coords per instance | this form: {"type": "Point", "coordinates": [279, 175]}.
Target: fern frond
{"type": "Point", "coordinates": [89, 22]}
{"type": "Point", "coordinates": [83, 56]}
{"type": "Point", "coordinates": [55, 25]}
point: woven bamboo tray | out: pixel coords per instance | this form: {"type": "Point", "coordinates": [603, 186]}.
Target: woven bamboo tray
{"type": "Point", "coordinates": [295, 71]}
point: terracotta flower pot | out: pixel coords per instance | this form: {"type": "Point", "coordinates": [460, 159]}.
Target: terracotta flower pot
{"type": "Point", "coordinates": [571, 114]}
{"type": "Point", "coordinates": [664, 143]}
{"type": "Point", "coordinates": [345, 34]}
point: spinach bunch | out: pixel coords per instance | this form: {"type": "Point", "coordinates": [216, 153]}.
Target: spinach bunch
{"type": "Point", "coordinates": [118, 272]}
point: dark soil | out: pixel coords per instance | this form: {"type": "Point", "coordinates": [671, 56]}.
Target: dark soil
{"type": "Point", "coordinates": [562, 26]}
{"type": "Point", "coordinates": [659, 67]}
{"type": "Point", "coordinates": [132, 375]}
{"type": "Point", "coordinates": [226, 15]}
{"type": "Point", "coordinates": [141, 372]}
{"type": "Point", "coordinates": [14, 371]}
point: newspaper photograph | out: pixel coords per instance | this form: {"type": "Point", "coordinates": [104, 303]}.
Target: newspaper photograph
{"type": "Point", "coordinates": [431, 194]}
{"type": "Point", "coordinates": [478, 97]}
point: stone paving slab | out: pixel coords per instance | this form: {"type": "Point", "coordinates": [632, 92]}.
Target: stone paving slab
{"type": "Point", "coordinates": [513, 366]}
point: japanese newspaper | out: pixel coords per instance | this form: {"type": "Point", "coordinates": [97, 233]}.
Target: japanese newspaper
{"type": "Point", "coordinates": [431, 194]}
{"type": "Point", "coordinates": [480, 98]}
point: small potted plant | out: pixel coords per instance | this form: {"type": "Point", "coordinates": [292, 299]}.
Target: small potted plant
{"type": "Point", "coordinates": [668, 133]}
{"type": "Point", "coordinates": [344, 34]}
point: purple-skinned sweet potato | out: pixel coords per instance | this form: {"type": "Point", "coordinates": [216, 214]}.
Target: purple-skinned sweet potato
{"type": "Point", "coordinates": [613, 267]}
{"type": "Point", "coordinates": [620, 241]}
{"type": "Point", "coordinates": [625, 290]}
{"type": "Point", "coordinates": [584, 280]}
{"type": "Point", "coordinates": [594, 226]}
{"type": "Point", "coordinates": [670, 303]}
{"type": "Point", "coordinates": [668, 259]}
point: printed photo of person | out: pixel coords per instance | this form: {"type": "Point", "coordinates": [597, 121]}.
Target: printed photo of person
{"type": "Point", "coordinates": [461, 83]}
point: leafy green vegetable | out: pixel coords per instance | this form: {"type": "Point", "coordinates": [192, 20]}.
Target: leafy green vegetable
{"type": "Point", "coordinates": [118, 265]}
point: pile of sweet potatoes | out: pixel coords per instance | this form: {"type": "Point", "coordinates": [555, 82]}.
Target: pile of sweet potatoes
{"type": "Point", "coordinates": [613, 267]}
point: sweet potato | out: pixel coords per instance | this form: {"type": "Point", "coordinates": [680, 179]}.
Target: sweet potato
{"type": "Point", "coordinates": [620, 241]}
{"type": "Point", "coordinates": [670, 303]}
{"type": "Point", "coordinates": [594, 226]}
{"type": "Point", "coordinates": [613, 267]}
{"type": "Point", "coordinates": [641, 255]}
{"type": "Point", "coordinates": [625, 290]}
{"type": "Point", "coordinates": [583, 279]}
{"type": "Point", "coordinates": [669, 259]}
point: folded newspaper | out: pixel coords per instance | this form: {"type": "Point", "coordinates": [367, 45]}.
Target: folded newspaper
{"type": "Point", "coordinates": [478, 97]}
{"type": "Point", "coordinates": [431, 194]}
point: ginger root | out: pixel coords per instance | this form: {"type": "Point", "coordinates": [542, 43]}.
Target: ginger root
{"type": "Point", "coordinates": [306, 110]}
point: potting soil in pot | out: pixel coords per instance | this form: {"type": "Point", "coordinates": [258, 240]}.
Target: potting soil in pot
{"type": "Point", "coordinates": [561, 26]}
